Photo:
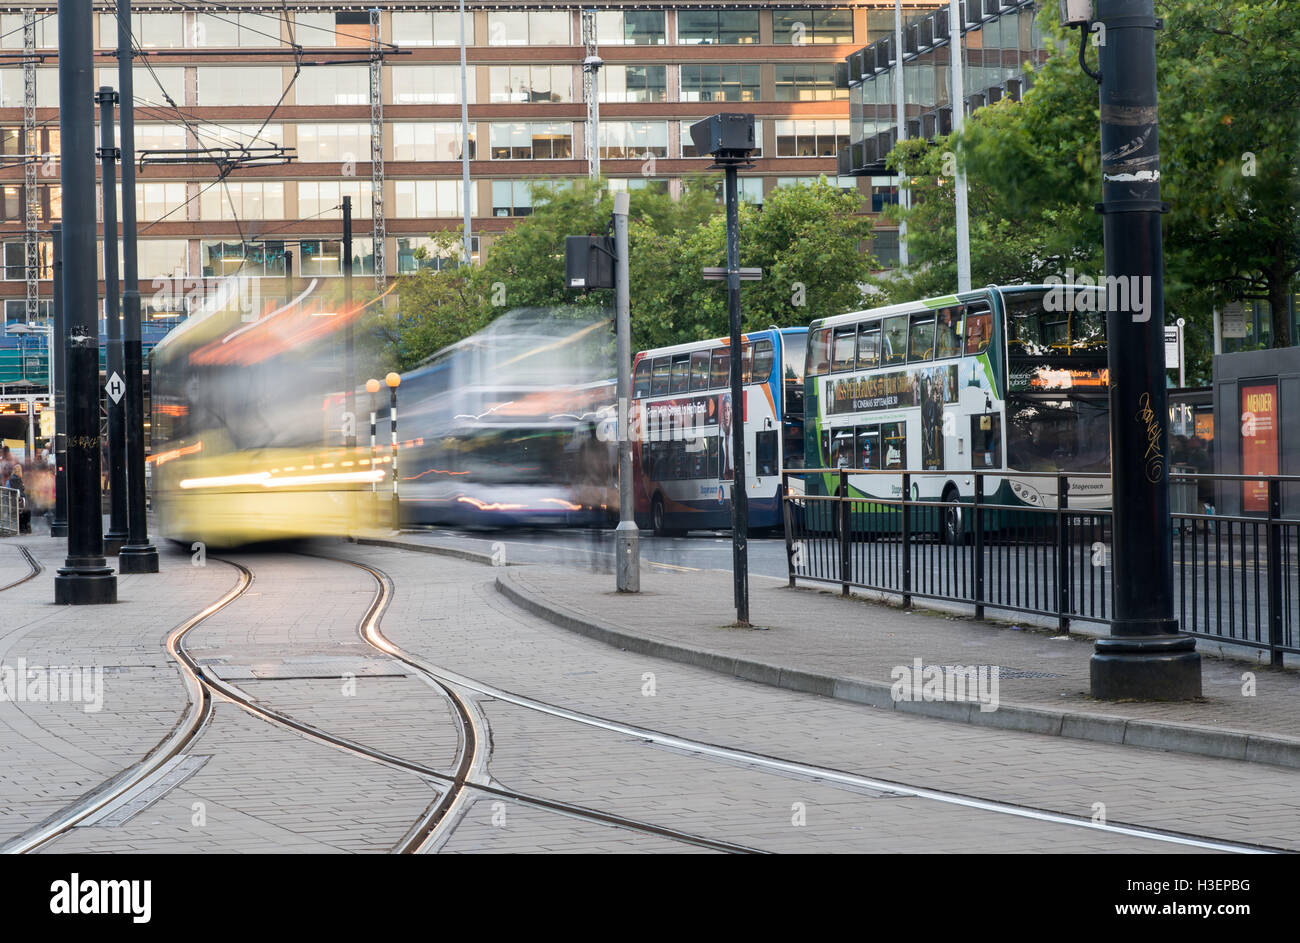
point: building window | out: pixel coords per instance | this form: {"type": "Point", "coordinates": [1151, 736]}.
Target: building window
{"type": "Point", "coordinates": [523, 140]}
{"type": "Point", "coordinates": [535, 28]}
{"type": "Point", "coordinates": [162, 258]}
{"type": "Point", "coordinates": [154, 201]}
{"type": "Point", "coordinates": [819, 137]}
{"type": "Point", "coordinates": [148, 30]}
{"type": "Point", "coordinates": [657, 184]}
{"type": "Point", "coordinates": [47, 88]}
{"type": "Point", "coordinates": [717, 27]}
{"type": "Point", "coordinates": [238, 85]}
{"type": "Point", "coordinates": [884, 246]}
{"type": "Point", "coordinates": [634, 83]}
{"type": "Point", "coordinates": [633, 140]}
{"type": "Point", "coordinates": [628, 28]}
{"type": "Point", "coordinates": [47, 30]}
{"type": "Point", "coordinates": [242, 200]}
{"type": "Point", "coordinates": [323, 199]}
{"type": "Point", "coordinates": [429, 198]}
{"type": "Point", "coordinates": [884, 192]}
{"type": "Point", "coordinates": [333, 143]}
{"type": "Point", "coordinates": [334, 85]}
{"type": "Point", "coordinates": [432, 140]}
{"type": "Point", "coordinates": [15, 260]}
{"type": "Point", "coordinates": [323, 258]}
{"type": "Point", "coordinates": [151, 87]}
{"type": "Point", "coordinates": [157, 137]}
{"type": "Point", "coordinates": [230, 30]}
{"type": "Point", "coordinates": [248, 260]}
{"type": "Point", "coordinates": [344, 29]}
{"type": "Point", "coordinates": [432, 29]}
{"type": "Point", "coordinates": [713, 82]}
{"type": "Point", "coordinates": [749, 189]}
{"type": "Point", "coordinates": [688, 144]}
{"type": "Point", "coordinates": [811, 81]}
{"type": "Point", "coordinates": [518, 197]}
{"type": "Point", "coordinates": [430, 84]}
{"type": "Point", "coordinates": [806, 27]}
{"type": "Point", "coordinates": [530, 83]}
{"type": "Point", "coordinates": [419, 253]}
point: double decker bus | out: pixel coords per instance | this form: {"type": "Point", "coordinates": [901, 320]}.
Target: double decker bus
{"type": "Point", "coordinates": [1003, 379]}
{"type": "Point", "coordinates": [681, 422]}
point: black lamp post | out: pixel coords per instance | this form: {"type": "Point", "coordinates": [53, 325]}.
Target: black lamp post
{"type": "Point", "coordinates": [394, 380]}
{"type": "Point", "coordinates": [1145, 656]}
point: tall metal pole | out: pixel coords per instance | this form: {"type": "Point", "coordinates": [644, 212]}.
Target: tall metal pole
{"type": "Point", "coordinates": [394, 380]}
{"type": "Point", "coordinates": [58, 383]}
{"type": "Point", "coordinates": [739, 497]}
{"type": "Point", "coordinates": [627, 537]}
{"type": "Point", "coordinates": [288, 276]}
{"type": "Point", "coordinates": [137, 555]}
{"type": "Point", "coordinates": [900, 114]}
{"type": "Point", "coordinates": [958, 122]}
{"type": "Point", "coordinates": [116, 385]}
{"type": "Point", "coordinates": [349, 345]}
{"type": "Point", "coordinates": [464, 142]}
{"type": "Point", "coordinates": [85, 577]}
{"type": "Point", "coordinates": [1144, 656]}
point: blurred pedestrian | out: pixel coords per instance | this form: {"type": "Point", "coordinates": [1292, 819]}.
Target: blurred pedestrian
{"type": "Point", "coordinates": [15, 483]}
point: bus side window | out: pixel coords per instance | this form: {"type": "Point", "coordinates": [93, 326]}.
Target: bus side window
{"type": "Point", "coordinates": [762, 361]}
{"type": "Point", "coordinates": [894, 340]}
{"type": "Point", "coordinates": [721, 376]}
{"type": "Point", "coordinates": [986, 441]}
{"type": "Point", "coordinates": [893, 440]}
{"type": "Point", "coordinates": [921, 342]}
{"type": "Point", "coordinates": [700, 370]}
{"type": "Point", "coordinates": [681, 375]}
{"type": "Point", "coordinates": [659, 377]}
{"type": "Point", "coordinates": [641, 382]}
{"type": "Point", "coordinates": [819, 353]}
{"type": "Point", "coordinates": [947, 338]}
{"type": "Point", "coordinates": [868, 447]}
{"type": "Point", "coordinates": [747, 363]}
{"type": "Point", "coordinates": [842, 354]}
{"type": "Point", "coordinates": [979, 326]}
{"type": "Point", "coordinates": [868, 346]}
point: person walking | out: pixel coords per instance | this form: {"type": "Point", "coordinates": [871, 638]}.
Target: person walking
{"type": "Point", "coordinates": [15, 483]}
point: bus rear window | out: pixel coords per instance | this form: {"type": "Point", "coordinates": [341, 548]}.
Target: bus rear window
{"type": "Point", "coordinates": [641, 380]}
{"type": "Point", "coordinates": [819, 352]}
{"type": "Point", "coordinates": [1034, 330]}
{"type": "Point", "coordinates": [659, 377]}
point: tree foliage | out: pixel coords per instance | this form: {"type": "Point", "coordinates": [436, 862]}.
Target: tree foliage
{"type": "Point", "coordinates": [1229, 91]}
{"type": "Point", "coordinates": [809, 241]}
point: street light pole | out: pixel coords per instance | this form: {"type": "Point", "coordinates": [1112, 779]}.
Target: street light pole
{"type": "Point", "coordinates": [627, 537]}
{"type": "Point", "coordinates": [739, 498]}
{"type": "Point", "coordinates": [58, 384]}
{"type": "Point", "coordinates": [349, 349]}
{"type": "Point", "coordinates": [372, 387]}
{"type": "Point", "coordinates": [394, 380]}
{"type": "Point", "coordinates": [1145, 656]}
{"type": "Point", "coordinates": [116, 387]}
{"type": "Point", "coordinates": [85, 577]}
{"type": "Point", "coordinates": [137, 555]}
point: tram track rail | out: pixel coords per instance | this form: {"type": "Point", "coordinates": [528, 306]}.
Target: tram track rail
{"type": "Point", "coordinates": [823, 774]}
{"type": "Point", "coordinates": [34, 569]}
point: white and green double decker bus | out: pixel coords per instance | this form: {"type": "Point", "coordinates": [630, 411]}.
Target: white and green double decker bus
{"type": "Point", "coordinates": [1000, 380]}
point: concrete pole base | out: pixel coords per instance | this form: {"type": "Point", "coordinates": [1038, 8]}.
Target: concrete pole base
{"type": "Point", "coordinates": [1146, 668]}
{"type": "Point", "coordinates": [89, 586]}
{"type": "Point", "coordinates": [138, 558]}
{"type": "Point", "coordinates": [627, 551]}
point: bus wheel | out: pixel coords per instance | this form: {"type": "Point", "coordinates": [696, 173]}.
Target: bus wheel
{"type": "Point", "coordinates": [657, 518]}
{"type": "Point", "coordinates": [954, 530]}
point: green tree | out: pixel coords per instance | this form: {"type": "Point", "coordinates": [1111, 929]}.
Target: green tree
{"type": "Point", "coordinates": [1229, 77]}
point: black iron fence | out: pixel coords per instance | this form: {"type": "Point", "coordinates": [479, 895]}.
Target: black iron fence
{"type": "Point", "coordinates": [1041, 543]}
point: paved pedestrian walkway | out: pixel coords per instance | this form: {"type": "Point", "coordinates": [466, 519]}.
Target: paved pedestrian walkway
{"type": "Point", "coordinates": [814, 640]}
